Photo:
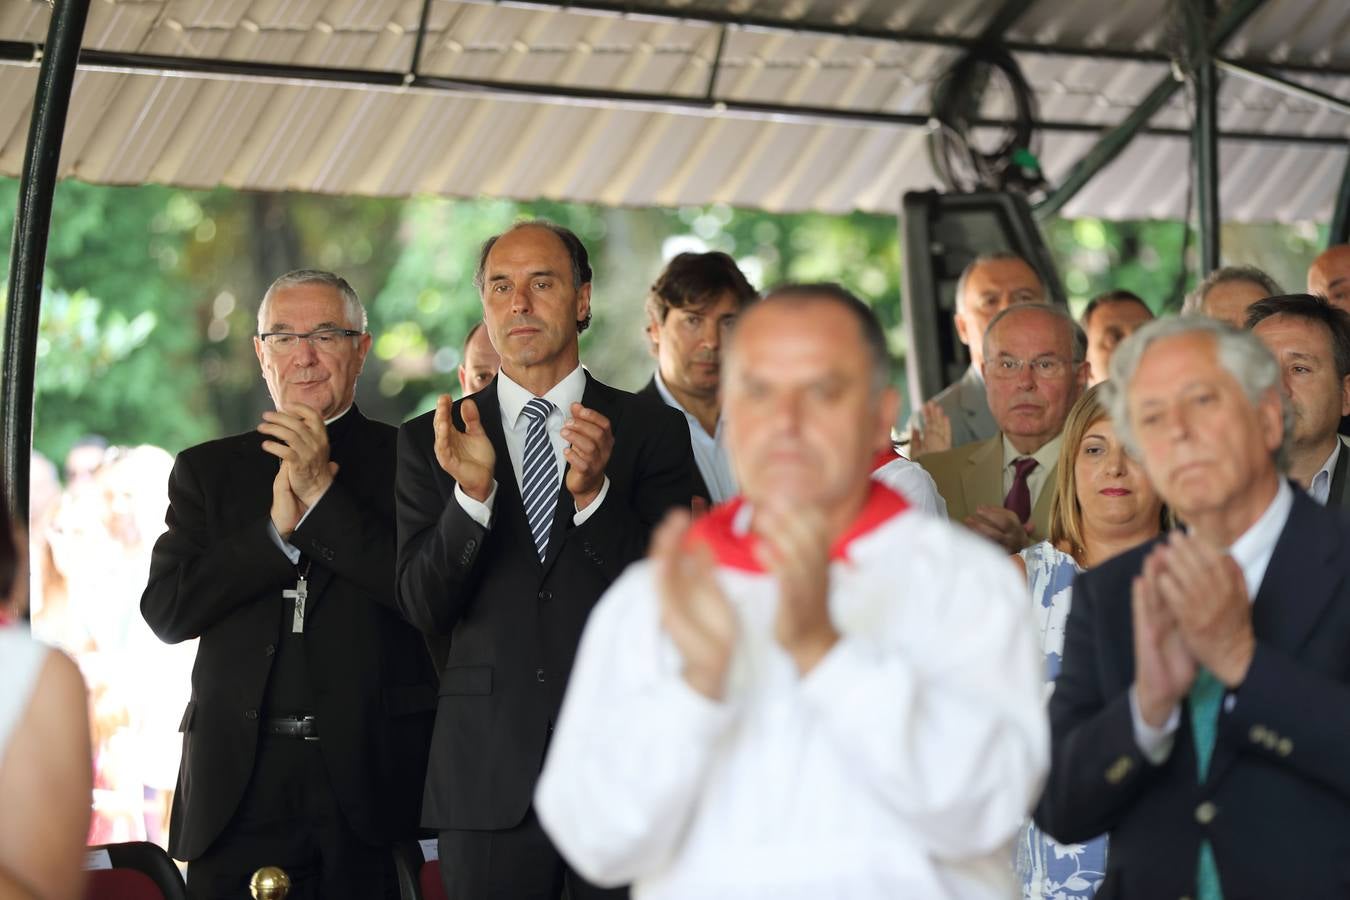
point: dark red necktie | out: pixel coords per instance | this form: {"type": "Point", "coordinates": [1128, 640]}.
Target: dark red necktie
{"type": "Point", "coordinates": [1019, 496]}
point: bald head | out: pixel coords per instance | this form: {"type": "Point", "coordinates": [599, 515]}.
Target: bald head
{"type": "Point", "coordinates": [1329, 275]}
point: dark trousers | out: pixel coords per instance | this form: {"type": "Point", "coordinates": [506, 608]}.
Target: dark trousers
{"type": "Point", "coordinates": [289, 818]}
{"type": "Point", "coordinates": [516, 864]}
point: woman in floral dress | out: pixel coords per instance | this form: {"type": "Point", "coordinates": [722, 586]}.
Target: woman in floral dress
{"type": "Point", "coordinates": [1103, 505]}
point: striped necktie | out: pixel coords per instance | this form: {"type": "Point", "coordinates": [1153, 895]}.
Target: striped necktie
{"type": "Point", "coordinates": [539, 488]}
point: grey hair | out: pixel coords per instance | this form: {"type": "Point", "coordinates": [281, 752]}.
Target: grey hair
{"type": "Point", "coordinates": [1240, 353]}
{"type": "Point", "coordinates": [1077, 337]}
{"type": "Point", "coordinates": [984, 259]}
{"type": "Point", "coordinates": [351, 303]}
{"type": "Point", "coordinates": [1194, 304]}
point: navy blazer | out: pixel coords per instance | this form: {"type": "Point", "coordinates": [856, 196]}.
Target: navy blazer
{"type": "Point", "coordinates": [1276, 804]}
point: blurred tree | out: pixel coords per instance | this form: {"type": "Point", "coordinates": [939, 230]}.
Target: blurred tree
{"type": "Point", "coordinates": [152, 292]}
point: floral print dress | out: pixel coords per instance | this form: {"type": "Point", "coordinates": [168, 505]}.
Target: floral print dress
{"type": "Point", "coordinates": [1050, 870]}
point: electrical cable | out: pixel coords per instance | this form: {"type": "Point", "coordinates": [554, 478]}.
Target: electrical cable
{"type": "Point", "coordinates": [956, 100]}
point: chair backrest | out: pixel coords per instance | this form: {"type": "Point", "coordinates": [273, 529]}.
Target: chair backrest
{"type": "Point", "coordinates": [407, 866]}
{"type": "Point", "coordinates": [418, 870]}
{"type": "Point", "coordinates": [133, 871]}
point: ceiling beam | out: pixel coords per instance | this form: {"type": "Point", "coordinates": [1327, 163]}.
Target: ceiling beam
{"type": "Point", "coordinates": [18, 53]}
{"type": "Point", "coordinates": [752, 22]}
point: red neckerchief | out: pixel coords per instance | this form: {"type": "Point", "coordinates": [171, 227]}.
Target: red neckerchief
{"type": "Point", "coordinates": [885, 457]}
{"type": "Point", "coordinates": [718, 529]}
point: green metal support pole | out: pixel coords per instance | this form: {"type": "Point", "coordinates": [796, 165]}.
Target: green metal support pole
{"type": "Point", "coordinates": [1340, 218]}
{"type": "Point", "coordinates": [1205, 140]}
{"type": "Point", "coordinates": [28, 249]}
{"type": "Point", "coordinates": [1119, 137]}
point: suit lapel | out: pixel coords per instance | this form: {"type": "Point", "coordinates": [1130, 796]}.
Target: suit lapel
{"type": "Point", "coordinates": [600, 398]}
{"type": "Point", "coordinates": [982, 477]}
{"type": "Point", "coordinates": [1304, 557]}
{"type": "Point", "coordinates": [1300, 581]}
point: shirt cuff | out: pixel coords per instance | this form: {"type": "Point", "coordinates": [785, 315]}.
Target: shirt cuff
{"type": "Point", "coordinates": [1154, 743]}
{"type": "Point", "coordinates": [583, 514]}
{"type": "Point", "coordinates": [292, 553]}
{"type": "Point", "coordinates": [480, 512]}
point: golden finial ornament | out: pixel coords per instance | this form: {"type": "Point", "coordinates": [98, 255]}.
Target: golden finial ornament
{"type": "Point", "coordinates": [269, 883]}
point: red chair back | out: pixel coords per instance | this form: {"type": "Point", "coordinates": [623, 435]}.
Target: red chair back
{"type": "Point", "coordinates": [429, 878]}
{"type": "Point", "coordinates": [121, 884]}
{"type": "Point", "coordinates": [133, 871]}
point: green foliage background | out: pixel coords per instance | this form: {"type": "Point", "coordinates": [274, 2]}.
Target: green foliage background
{"type": "Point", "coordinates": [150, 292]}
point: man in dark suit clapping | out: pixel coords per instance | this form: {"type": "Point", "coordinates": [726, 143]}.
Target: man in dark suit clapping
{"type": "Point", "coordinates": [517, 508]}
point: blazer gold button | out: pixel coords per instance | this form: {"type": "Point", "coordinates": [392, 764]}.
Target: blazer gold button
{"type": "Point", "coordinates": [1205, 813]}
{"type": "Point", "coordinates": [1119, 770]}
{"type": "Point", "coordinates": [1257, 733]}
{"type": "Point", "coordinates": [1284, 747]}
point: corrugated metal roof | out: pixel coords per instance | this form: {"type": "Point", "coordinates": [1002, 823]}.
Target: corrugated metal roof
{"type": "Point", "coordinates": [275, 133]}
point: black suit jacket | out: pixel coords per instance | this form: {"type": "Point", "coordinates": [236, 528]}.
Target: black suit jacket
{"type": "Point", "coordinates": [216, 574]}
{"type": "Point", "coordinates": [700, 486]}
{"type": "Point", "coordinates": [514, 622]}
{"type": "Point", "coordinates": [1276, 805]}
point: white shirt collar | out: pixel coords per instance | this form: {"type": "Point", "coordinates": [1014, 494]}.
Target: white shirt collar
{"type": "Point", "coordinates": [1253, 549]}
{"type": "Point", "coordinates": [1320, 486]}
{"type": "Point", "coordinates": [512, 397]}
{"type": "Point", "coordinates": [1047, 455]}
{"type": "Point", "coordinates": [339, 415]}
{"type": "Point", "coordinates": [695, 426]}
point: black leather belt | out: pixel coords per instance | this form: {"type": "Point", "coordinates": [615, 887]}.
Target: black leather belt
{"type": "Point", "coordinates": [305, 727]}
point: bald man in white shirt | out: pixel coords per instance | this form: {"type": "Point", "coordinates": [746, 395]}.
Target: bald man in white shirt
{"type": "Point", "coordinates": [814, 691]}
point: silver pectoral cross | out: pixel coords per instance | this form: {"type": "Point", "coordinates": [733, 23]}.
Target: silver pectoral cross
{"type": "Point", "coordinates": [299, 595]}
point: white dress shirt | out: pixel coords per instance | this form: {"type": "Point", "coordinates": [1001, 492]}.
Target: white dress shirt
{"type": "Point", "coordinates": [511, 399]}
{"type": "Point", "coordinates": [901, 766]}
{"type": "Point", "coordinates": [1320, 486]}
{"type": "Point", "coordinates": [1252, 552]}
{"type": "Point", "coordinates": [1046, 458]}
{"type": "Point", "coordinates": [710, 453]}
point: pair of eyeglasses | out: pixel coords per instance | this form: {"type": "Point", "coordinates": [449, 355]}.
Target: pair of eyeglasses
{"type": "Point", "coordinates": [1041, 367]}
{"type": "Point", "coordinates": [323, 339]}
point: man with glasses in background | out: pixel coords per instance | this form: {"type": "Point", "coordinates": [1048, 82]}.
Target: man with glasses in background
{"type": "Point", "coordinates": [1034, 369]}
{"type": "Point", "coordinates": [305, 742]}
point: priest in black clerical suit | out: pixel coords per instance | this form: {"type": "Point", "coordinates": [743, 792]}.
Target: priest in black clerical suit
{"type": "Point", "coordinates": [305, 742]}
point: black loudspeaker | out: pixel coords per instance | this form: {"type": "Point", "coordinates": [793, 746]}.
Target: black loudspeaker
{"type": "Point", "coordinates": [941, 235]}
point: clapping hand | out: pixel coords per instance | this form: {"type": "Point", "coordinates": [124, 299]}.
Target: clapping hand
{"type": "Point", "coordinates": [591, 440]}
{"type": "Point", "coordinates": [794, 546]}
{"type": "Point", "coordinates": [299, 438]}
{"type": "Point", "coordinates": [466, 456]}
{"type": "Point", "coordinates": [694, 611]}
